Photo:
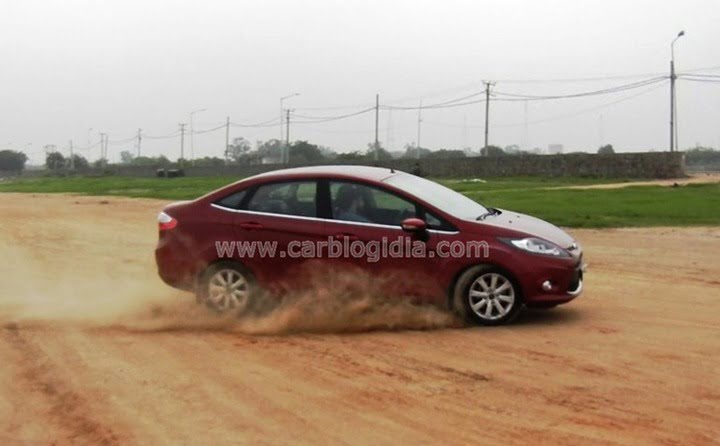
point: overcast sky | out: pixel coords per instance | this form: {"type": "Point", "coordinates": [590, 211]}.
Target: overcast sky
{"type": "Point", "coordinates": [116, 66]}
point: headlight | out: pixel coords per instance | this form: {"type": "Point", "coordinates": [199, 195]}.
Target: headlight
{"type": "Point", "coordinates": [538, 246]}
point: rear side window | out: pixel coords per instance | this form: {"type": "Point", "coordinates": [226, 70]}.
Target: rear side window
{"type": "Point", "coordinates": [234, 200]}
{"type": "Point", "coordinates": [289, 198]}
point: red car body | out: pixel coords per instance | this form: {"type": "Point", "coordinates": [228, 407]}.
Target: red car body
{"type": "Point", "coordinates": [189, 232]}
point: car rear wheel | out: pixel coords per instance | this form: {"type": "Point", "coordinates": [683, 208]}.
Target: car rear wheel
{"type": "Point", "coordinates": [226, 287]}
{"type": "Point", "coordinates": [487, 295]}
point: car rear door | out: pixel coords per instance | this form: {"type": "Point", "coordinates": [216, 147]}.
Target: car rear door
{"type": "Point", "coordinates": [274, 222]}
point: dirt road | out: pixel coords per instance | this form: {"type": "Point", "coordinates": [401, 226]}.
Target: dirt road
{"type": "Point", "coordinates": [95, 350]}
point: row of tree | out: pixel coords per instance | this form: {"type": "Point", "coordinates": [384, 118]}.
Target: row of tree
{"type": "Point", "coordinates": [300, 152]}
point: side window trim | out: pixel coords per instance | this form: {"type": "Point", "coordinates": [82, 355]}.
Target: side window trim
{"type": "Point", "coordinates": [323, 202]}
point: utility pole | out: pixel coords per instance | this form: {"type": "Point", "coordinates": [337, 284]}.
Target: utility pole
{"type": "Point", "coordinates": [192, 134]}
{"type": "Point", "coordinates": [287, 136]}
{"type": "Point", "coordinates": [227, 139]}
{"type": "Point", "coordinates": [673, 110]}
{"type": "Point", "coordinates": [139, 140]}
{"type": "Point", "coordinates": [102, 147]}
{"type": "Point", "coordinates": [72, 158]}
{"type": "Point", "coordinates": [464, 132]}
{"type": "Point", "coordinates": [527, 132]}
{"type": "Point", "coordinates": [487, 112]}
{"type": "Point", "coordinates": [389, 133]}
{"type": "Point", "coordinates": [282, 154]}
{"type": "Point", "coordinates": [377, 122]}
{"type": "Point", "coordinates": [417, 154]}
{"type": "Point", "coordinates": [182, 144]}
{"type": "Point", "coordinates": [672, 105]}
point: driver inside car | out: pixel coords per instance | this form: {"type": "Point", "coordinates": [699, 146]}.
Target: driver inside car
{"type": "Point", "coordinates": [348, 205]}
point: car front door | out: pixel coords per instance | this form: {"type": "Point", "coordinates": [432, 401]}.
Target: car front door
{"type": "Point", "coordinates": [367, 220]}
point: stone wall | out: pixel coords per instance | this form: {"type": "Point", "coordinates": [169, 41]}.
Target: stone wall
{"type": "Point", "coordinates": [621, 165]}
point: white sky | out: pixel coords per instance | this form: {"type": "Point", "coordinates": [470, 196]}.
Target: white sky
{"type": "Point", "coordinates": [116, 66]}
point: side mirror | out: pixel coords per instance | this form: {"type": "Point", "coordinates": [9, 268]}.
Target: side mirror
{"type": "Point", "coordinates": [413, 225]}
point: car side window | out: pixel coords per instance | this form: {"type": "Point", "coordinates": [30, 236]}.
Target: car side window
{"type": "Point", "coordinates": [288, 198]}
{"type": "Point", "coordinates": [368, 204]}
{"type": "Point", "coordinates": [234, 200]}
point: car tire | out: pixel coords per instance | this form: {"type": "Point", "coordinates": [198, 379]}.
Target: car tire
{"type": "Point", "coordinates": [487, 295]}
{"type": "Point", "coordinates": [227, 287]}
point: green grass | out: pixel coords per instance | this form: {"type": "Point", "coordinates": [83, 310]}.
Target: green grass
{"type": "Point", "coordinates": [632, 206]}
{"type": "Point", "coordinates": [697, 204]}
{"type": "Point", "coordinates": [523, 183]}
{"type": "Point", "coordinates": [163, 188]}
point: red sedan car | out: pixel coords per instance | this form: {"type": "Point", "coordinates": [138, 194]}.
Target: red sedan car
{"type": "Point", "coordinates": [438, 245]}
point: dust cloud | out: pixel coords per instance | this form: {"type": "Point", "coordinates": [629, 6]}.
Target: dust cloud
{"type": "Point", "coordinates": [36, 292]}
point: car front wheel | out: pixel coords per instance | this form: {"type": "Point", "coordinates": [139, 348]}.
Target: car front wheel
{"type": "Point", "coordinates": [487, 295]}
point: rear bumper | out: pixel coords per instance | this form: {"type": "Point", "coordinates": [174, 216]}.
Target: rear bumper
{"type": "Point", "coordinates": [173, 265]}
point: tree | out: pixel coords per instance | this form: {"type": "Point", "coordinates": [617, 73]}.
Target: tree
{"type": "Point", "coordinates": [126, 157]}
{"type": "Point", "coordinates": [445, 153]}
{"type": "Point", "coordinates": [381, 155]}
{"type": "Point", "coordinates": [512, 149]}
{"type": "Point", "coordinates": [239, 151]}
{"type": "Point", "coordinates": [270, 151]}
{"type": "Point", "coordinates": [302, 152]}
{"type": "Point", "coordinates": [55, 161]}
{"type": "Point", "coordinates": [492, 151]}
{"type": "Point", "coordinates": [702, 155]}
{"type": "Point", "coordinates": [12, 160]}
{"type": "Point", "coordinates": [351, 156]}
{"type": "Point", "coordinates": [606, 150]}
{"type": "Point", "coordinates": [411, 151]}
{"type": "Point", "coordinates": [209, 161]}
{"type": "Point", "coordinates": [79, 162]}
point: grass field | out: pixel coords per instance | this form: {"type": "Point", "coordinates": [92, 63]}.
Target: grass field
{"type": "Point", "coordinates": [546, 198]}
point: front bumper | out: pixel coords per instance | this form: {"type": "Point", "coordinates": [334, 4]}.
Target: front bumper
{"type": "Point", "coordinates": [555, 285]}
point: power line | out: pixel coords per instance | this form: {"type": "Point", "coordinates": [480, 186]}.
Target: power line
{"type": "Point", "coordinates": [586, 110]}
{"type": "Point", "coordinates": [172, 135]}
{"type": "Point", "coordinates": [269, 123]}
{"type": "Point", "coordinates": [615, 89]}
{"type": "Point", "coordinates": [717, 76]}
{"type": "Point", "coordinates": [558, 117]}
{"type": "Point", "coordinates": [320, 119]}
{"type": "Point", "coordinates": [709, 81]}
{"type": "Point", "coordinates": [199, 132]}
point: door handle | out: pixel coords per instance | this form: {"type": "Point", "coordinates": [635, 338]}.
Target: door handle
{"type": "Point", "coordinates": [347, 235]}
{"type": "Point", "coordinates": [250, 225]}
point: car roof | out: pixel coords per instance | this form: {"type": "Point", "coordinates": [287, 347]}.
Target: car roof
{"type": "Point", "coordinates": [346, 171]}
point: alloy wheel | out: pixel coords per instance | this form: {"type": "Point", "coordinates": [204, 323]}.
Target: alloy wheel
{"type": "Point", "coordinates": [228, 289]}
{"type": "Point", "coordinates": [491, 296]}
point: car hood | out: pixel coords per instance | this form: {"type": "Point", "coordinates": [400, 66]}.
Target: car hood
{"type": "Point", "coordinates": [529, 225]}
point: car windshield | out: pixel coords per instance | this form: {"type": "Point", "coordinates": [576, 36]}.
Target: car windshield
{"type": "Point", "coordinates": [437, 195]}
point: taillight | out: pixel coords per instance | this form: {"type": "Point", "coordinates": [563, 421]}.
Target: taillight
{"type": "Point", "coordinates": [166, 222]}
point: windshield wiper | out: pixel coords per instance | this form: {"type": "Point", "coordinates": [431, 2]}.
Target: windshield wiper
{"type": "Point", "coordinates": [489, 213]}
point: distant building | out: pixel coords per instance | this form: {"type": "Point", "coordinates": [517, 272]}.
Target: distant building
{"type": "Point", "coordinates": [555, 149]}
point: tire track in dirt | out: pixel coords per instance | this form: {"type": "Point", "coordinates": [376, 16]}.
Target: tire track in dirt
{"type": "Point", "coordinates": [633, 361]}
{"type": "Point", "coordinates": [65, 405]}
